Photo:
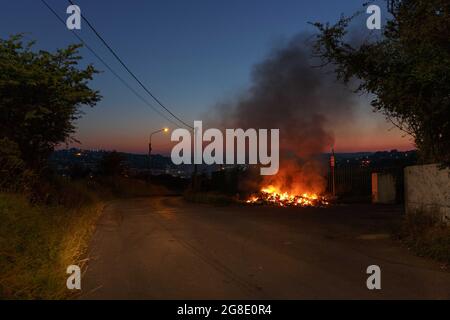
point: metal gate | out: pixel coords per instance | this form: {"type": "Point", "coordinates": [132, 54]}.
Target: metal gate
{"type": "Point", "coordinates": [357, 180]}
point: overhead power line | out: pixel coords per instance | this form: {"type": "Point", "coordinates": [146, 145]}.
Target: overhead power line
{"type": "Point", "coordinates": [126, 84]}
{"type": "Point", "coordinates": [128, 69]}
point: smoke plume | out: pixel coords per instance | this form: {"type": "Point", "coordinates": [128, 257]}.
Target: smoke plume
{"type": "Point", "coordinates": [290, 92]}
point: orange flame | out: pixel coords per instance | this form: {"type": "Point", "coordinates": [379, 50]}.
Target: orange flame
{"type": "Point", "coordinates": [272, 195]}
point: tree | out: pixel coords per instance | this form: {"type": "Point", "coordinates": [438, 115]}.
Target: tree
{"type": "Point", "coordinates": [12, 167]}
{"type": "Point", "coordinates": [112, 164]}
{"type": "Point", "coordinates": [41, 94]}
{"type": "Point", "coordinates": [407, 70]}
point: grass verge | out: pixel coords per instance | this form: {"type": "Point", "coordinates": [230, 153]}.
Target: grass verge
{"type": "Point", "coordinates": [38, 243]}
{"type": "Point", "coordinates": [426, 236]}
{"type": "Point", "coordinates": [40, 239]}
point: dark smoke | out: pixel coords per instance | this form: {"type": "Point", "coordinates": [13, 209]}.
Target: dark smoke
{"type": "Point", "coordinates": [292, 93]}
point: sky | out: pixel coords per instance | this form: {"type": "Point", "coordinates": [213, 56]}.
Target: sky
{"type": "Point", "coordinates": [192, 54]}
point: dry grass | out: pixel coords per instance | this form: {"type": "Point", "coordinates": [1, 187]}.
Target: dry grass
{"type": "Point", "coordinates": [38, 243]}
{"type": "Point", "coordinates": [427, 236]}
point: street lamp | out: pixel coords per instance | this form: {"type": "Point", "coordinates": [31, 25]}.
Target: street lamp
{"type": "Point", "coordinates": [163, 130]}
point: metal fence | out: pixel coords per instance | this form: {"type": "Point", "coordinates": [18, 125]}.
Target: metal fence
{"type": "Point", "coordinates": [357, 180]}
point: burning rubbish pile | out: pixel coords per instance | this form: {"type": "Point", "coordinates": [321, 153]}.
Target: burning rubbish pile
{"type": "Point", "coordinates": [297, 184]}
{"type": "Point", "coordinates": [272, 196]}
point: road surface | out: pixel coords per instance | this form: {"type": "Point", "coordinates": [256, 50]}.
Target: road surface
{"type": "Point", "coordinates": [165, 248]}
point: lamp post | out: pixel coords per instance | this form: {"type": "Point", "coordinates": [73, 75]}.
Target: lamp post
{"type": "Point", "coordinates": [164, 130]}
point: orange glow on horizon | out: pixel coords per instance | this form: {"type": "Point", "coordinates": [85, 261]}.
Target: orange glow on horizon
{"type": "Point", "coordinates": [364, 136]}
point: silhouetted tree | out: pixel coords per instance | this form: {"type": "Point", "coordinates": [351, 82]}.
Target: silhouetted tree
{"type": "Point", "coordinates": [40, 97]}
{"type": "Point", "coordinates": [112, 164]}
{"type": "Point", "coordinates": [12, 167]}
{"type": "Point", "coordinates": [407, 70]}
{"type": "Point", "coordinates": [78, 171]}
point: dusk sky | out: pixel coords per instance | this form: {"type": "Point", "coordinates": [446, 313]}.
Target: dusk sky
{"type": "Point", "coordinates": [193, 54]}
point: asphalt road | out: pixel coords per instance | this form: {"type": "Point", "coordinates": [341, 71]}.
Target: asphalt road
{"type": "Point", "coordinates": [165, 248]}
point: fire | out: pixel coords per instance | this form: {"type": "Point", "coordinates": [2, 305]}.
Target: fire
{"type": "Point", "coordinates": [272, 195]}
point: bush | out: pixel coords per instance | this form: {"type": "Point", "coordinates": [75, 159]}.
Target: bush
{"type": "Point", "coordinates": [13, 175]}
{"type": "Point", "coordinates": [55, 190]}
{"type": "Point", "coordinates": [112, 164]}
{"type": "Point", "coordinates": [427, 236]}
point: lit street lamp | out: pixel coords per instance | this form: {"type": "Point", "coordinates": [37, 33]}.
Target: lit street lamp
{"type": "Point", "coordinates": [164, 130]}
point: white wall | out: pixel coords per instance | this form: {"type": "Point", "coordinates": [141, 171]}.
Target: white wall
{"type": "Point", "coordinates": [428, 189]}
